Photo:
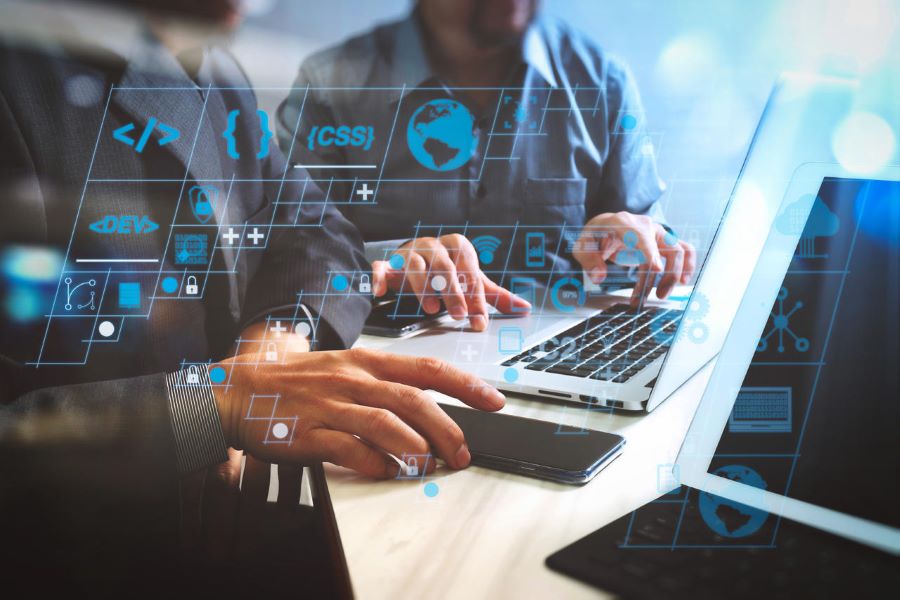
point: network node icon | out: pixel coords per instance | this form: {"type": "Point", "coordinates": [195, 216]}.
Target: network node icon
{"type": "Point", "coordinates": [781, 326]}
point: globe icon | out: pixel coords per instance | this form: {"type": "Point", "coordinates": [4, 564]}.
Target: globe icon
{"type": "Point", "coordinates": [728, 518]}
{"type": "Point", "coordinates": [440, 135]}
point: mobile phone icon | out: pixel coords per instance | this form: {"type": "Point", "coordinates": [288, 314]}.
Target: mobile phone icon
{"type": "Point", "coordinates": [534, 249]}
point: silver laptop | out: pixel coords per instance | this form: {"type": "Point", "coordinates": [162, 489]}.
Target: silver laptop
{"type": "Point", "coordinates": [594, 350]}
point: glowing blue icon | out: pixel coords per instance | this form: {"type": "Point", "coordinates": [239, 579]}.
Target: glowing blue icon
{"type": "Point", "coordinates": [124, 224]}
{"type": "Point", "coordinates": [534, 249]}
{"type": "Point", "coordinates": [523, 287]}
{"type": "Point", "coordinates": [761, 409]}
{"type": "Point", "coordinates": [630, 256]}
{"type": "Point", "coordinates": [267, 134]}
{"type": "Point", "coordinates": [781, 326]}
{"type": "Point", "coordinates": [568, 289]}
{"type": "Point", "coordinates": [628, 122]}
{"type": "Point", "coordinates": [510, 375]}
{"type": "Point", "coordinates": [129, 294]}
{"type": "Point", "coordinates": [203, 199]}
{"type": "Point", "coordinates": [440, 135]}
{"type": "Point", "coordinates": [340, 283]}
{"type": "Point", "coordinates": [191, 249]}
{"type": "Point", "coordinates": [729, 518]}
{"type": "Point", "coordinates": [431, 489]}
{"type": "Point", "coordinates": [217, 374]}
{"type": "Point", "coordinates": [170, 134]}
{"type": "Point", "coordinates": [520, 112]}
{"type": "Point", "coordinates": [510, 340]}
{"type": "Point", "coordinates": [397, 261]}
{"type": "Point", "coordinates": [810, 222]}
{"type": "Point", "coordinates": [169, 285]}
{"type": "Point", "coordinates": [486, 246]}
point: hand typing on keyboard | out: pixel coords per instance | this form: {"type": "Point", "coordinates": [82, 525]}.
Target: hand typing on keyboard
{"type": "Point", "coordinates": [635, 240]}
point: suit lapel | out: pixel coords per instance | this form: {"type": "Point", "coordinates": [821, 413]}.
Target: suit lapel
{"type": "Point", "coordinates": [155, 85]}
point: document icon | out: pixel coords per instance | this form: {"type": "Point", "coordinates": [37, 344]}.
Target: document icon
{"type": "Point", "coordinates": [509, 340]}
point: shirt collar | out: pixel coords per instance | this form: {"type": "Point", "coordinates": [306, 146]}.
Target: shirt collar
{"type": "Point", "coordinates": [410, 67]}
{"type": "Point", "coordinates": [536, 54]}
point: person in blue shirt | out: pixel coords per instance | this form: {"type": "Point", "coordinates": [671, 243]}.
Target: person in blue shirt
{"type": "Point", "coordinates": [487, 121]}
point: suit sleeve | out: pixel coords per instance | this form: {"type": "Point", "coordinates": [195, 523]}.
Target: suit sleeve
{"type": "Point", "coordinates": [306, 257]}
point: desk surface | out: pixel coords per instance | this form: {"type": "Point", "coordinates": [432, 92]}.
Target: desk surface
{"type": "Point", "coordinates": [486, 534]}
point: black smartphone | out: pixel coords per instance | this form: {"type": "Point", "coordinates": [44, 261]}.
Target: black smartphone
{"type": "Point", "coordinates": [535, 448]}
{"type": "Point", "coordinates": [398, 317]}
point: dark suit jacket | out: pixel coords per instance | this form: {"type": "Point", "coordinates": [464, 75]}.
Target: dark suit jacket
{"type": "Point", "coordinates": [91, 441]}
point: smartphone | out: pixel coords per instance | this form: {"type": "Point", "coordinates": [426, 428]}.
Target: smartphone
{"type": "Point", "coordinates": [535, 448]}
{"type": "Point", "coordinates": [534, 249]}
{"type": "Point", "coordinates": [399, 317]}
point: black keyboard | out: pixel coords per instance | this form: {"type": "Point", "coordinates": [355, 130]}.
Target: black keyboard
{"type": "Point", "coordinates": [665, 550]}
{"type": "Point", "coordinates": [614, 345]}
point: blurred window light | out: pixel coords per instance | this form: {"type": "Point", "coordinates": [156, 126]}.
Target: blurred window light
{"type": "Point", "coordinates": [863, 143]}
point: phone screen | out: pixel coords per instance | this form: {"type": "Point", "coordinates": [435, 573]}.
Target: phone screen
{"type": "Point", "coordinates": [532, 442]}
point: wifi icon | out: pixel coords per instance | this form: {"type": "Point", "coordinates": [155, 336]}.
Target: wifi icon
{"type": "Point", "coordinates": [486, 245]}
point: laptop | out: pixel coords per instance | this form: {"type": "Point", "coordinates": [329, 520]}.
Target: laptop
{"type": "Point", "coordinates": [763, 504]}
{"type": "Point", "coordinates": [598, 351]}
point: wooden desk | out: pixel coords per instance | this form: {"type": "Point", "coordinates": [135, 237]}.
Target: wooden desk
{"type": "Point", "coordinates": [486, 534]}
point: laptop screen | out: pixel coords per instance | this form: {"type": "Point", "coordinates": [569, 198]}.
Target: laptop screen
{"type": "Point", "coordinates": [817, 415]}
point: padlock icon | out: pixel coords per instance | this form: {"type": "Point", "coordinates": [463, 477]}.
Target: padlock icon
{"type": "Point", "coordinates": [365, 284]}
{"type": "Point", "coordinates": [463, 284]}
{"type": "Point", "coordinates": [271, 352]}
{"type": "Point", "coordinates": [193, 375]}
{"type": "Point", "coordinates": [191, 289]}
{"type": "Point", "coordinates": [412, 466]}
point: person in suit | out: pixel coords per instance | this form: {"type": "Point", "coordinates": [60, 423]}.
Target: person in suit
{"type": "Point", "coordinates": [133, 383]}
{"type": "Point", "coordinates": [537, 161]}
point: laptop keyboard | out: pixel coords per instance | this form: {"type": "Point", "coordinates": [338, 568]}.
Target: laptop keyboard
{"type": "Point", "coordinates": [614, 345]}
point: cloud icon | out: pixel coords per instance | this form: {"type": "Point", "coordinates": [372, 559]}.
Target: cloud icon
{"type": "Point", "coordinates": [820, 222]}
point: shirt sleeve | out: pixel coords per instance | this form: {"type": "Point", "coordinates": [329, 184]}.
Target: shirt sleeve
{"type": "Point", "coordinates": [197, 427]}
{"type": "Point", "coordinates": [630, 180]}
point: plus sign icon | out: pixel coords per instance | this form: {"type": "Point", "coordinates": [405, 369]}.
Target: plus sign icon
{"type": "Point", "coordinates": [363, 192]}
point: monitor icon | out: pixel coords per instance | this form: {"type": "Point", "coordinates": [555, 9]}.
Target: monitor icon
{"type": "Point", "coordinates": [761, 409]}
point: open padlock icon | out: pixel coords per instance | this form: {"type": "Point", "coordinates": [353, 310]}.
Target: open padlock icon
{"type": "Point", "coordinates": [193, 375]}
{"type": "Point", "coordinates": [271, 352]}
{"type": "Point", "coordinates": [365, 284]}
{"type": "Point", "coordinates": [463, 284]}
{"type": "Point", "coordinates": [191, 288]}
{"type": "Point", "coordinates": [412, 466]}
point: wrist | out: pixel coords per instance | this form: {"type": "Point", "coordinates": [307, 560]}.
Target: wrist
{"type": "Point", "coordinates": [228, 407]}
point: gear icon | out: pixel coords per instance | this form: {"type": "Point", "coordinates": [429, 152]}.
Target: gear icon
{"type": "Point", "coordinates": [697, 307]}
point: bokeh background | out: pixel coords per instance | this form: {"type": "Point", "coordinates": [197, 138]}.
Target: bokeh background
{"type": "Point", "coordinates": [705, 68]}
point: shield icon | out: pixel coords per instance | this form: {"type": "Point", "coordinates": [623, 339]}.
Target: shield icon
{"type": "Point", "coordinates": [203, 200]}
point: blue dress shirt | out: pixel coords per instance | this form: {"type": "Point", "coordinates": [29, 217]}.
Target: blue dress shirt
{"type": "Point", "coordinates": [562, 140]}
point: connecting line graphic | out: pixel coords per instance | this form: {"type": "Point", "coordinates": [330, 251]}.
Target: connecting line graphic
{"type": "Point", "coordinates": [279, 430]}
{"type": "Point", "coordinates": [520, 112]}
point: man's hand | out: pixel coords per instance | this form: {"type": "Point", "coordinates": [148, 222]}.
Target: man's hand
{"type": "Point", "coordinates": [635, 240]}
{"type": "Point", "coordinates": [452, 258]}
{"type": "Point", "coordinates": [352, 407]}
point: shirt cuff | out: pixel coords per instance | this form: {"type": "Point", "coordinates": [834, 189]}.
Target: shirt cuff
{"type": "Point", "coordinates": [199, 440]}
